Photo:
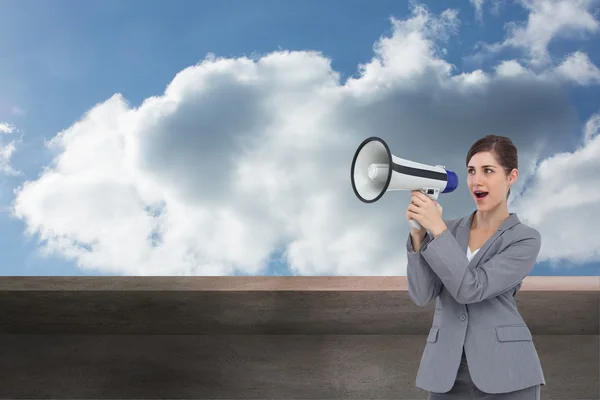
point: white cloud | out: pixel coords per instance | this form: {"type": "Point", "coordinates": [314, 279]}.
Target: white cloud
{"type": "Point", "coordinates": [578, 68]}
{"type": "Point", "coordinates": [6, 128]}
{"type": "Point", "coordinates": [495, 7]}
{"type": "Point", "coordinates": [591, 129]}
{"type": "Point", "coordinates": [548, 20]}
{"type": "Point", "coordinates": [563, 200]}
{"type": "Point", "coordinates": [478, 4]}
{"type": "Point", "coordinates": [240, 158]}
{"type": "Point", "coordinates": [7, 149]}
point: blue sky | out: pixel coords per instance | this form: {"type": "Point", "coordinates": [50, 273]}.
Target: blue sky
{"type": "Point", "coordinates": [62, 59]}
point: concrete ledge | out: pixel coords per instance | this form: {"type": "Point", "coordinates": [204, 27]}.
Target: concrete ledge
{"type": "Point", "coordinates": [265, 305]}
{"type": "Point", "coordinates": [259, 337]}
{"type": "Point", "coordinates": [260, 283]}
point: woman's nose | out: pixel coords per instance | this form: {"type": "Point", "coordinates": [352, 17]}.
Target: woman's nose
{"type": "Point", "coordinates": [476, 179]}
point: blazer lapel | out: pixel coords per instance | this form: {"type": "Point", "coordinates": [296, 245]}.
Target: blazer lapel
{"type": "Point", "coordinates": [464, 231]}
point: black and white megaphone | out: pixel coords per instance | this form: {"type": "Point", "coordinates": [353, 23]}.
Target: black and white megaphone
{"type": "Point", "coordinates": [375, 170]}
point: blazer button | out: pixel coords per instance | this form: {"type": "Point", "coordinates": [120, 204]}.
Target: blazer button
{"type": "Point", "coordinates": [463, 317]}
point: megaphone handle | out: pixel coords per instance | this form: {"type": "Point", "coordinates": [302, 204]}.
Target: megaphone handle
{"type": "Point", "coordinates": [415, 224]}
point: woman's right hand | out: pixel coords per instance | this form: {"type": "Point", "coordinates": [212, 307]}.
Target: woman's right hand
{"type": "Point", "coordinates": [415, 232]}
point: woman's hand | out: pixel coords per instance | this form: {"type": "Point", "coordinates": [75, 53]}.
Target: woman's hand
{"type": "Point", "coordinates": [414, 231]}
{"type": "Point", "coordinates": [427, 212]}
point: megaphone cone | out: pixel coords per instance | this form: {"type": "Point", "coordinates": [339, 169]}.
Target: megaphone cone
{"type": "Point", "coordinates": [375, 170]}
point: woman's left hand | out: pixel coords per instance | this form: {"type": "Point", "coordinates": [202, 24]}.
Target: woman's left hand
{"type": "Point", "coordinates": [427, 212]}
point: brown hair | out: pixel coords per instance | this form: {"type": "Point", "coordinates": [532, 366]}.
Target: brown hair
{"type": "Point", "coordinates": [501, 147]}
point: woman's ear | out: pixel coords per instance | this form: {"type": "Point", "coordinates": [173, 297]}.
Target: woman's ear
{"type": "Point", "coordinates": [513, 176]}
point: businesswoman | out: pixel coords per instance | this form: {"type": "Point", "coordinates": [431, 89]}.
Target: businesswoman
{"type": "Point", "coordinates": [479, 346]}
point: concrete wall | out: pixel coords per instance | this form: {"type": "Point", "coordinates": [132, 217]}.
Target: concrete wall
{"type": "Point", "coordinates": [259, 337]}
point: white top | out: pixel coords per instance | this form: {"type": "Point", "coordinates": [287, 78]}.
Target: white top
{"type": "Point", "coordinates": [470, 254]}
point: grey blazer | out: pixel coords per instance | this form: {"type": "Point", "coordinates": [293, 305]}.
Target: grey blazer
{"type": "Point", "coordinates": [475, 307]}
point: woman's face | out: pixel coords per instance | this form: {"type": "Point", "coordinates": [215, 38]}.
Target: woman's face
{"type": "Point", "coordinates": [487, 181]}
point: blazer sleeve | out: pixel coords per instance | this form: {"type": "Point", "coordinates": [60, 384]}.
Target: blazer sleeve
{"type": "Point", "coordinates": [423, 284]}
{"type": "Point", "coordinates": [502, 272]}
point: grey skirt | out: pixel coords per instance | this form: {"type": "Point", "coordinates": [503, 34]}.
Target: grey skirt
{"type": "Point", "coordinates": [464, 389]}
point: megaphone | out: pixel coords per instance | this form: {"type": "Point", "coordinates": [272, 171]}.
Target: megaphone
{"type": "Point", "coordinates": [375, 170]}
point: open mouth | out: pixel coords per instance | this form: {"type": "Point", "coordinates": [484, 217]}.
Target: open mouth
{"type": "Point", "coordinates": [480, 195]}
